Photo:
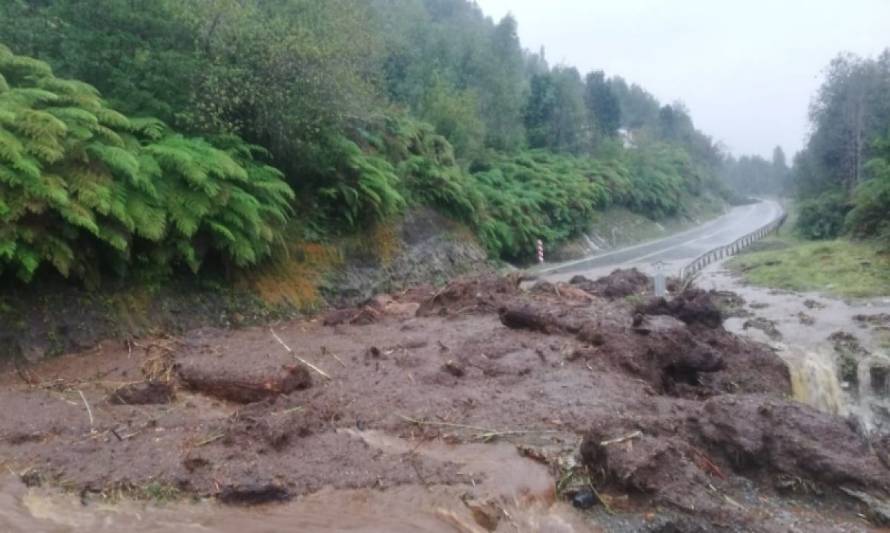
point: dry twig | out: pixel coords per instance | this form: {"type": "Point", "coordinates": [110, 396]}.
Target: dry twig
{"type": "Point", "coordinates": [89, 411]}
{"type": "Point", "coordinates": [298, 358]}
{"type": "Point", "coordinates": [619, 440]}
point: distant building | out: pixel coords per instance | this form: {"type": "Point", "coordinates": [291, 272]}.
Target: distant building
{"type": "Point", "coordinates": [627, 138]}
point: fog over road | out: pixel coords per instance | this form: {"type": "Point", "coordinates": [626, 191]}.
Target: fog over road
{"type": "Point", "coordinates": [676, 250]}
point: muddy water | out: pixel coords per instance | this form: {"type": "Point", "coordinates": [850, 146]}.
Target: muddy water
{"type": "Point", "coordinates": [516, 492]}
{"type": "Point", "coordinates": [805, 322]}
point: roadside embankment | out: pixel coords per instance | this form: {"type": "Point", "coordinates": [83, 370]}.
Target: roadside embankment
{"type": "Point", "coordinates": [57, 316]}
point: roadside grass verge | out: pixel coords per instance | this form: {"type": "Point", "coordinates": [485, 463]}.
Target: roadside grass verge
{"type": "Point", "coordinates": [849, 269]}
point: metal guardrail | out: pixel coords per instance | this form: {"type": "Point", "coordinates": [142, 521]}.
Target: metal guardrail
{"type": "Point", "coordinates": [721, 252]}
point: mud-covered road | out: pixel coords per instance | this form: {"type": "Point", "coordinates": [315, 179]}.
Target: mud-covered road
{"type": "Point", "coordinates": [676, 250]}
{"type": "Point", "coordinates": [481, 406]}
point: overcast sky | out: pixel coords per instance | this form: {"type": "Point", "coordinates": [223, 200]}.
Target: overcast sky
{"type": "Point", "coordinates": [746, 69]}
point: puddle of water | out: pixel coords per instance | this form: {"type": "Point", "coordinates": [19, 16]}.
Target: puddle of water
{"type": "Point", "coordinates": [519, 490]}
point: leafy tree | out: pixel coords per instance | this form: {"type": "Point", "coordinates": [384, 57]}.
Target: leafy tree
{"type": "Point", "coordinates": [870, 216]}
{"type": "Point", "coordinates": [851, 109]}
{"type": "Point", "coordinates": [453, 114]}
{"type": "Point", "coordinates": [555, 115]}
{"type": "Point", "coordinates": [603, 108]}
{"type": "Point", "coordinates": [639, 108]}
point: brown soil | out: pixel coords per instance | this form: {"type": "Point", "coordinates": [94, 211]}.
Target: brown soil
{"type": "Point", "coordinates": [679, 418]}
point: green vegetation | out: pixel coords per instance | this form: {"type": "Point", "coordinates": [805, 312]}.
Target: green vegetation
{"type": "Point", "coordinates": [839, 267]}
{"type": "Point", "coordinates": [226, 129]}
{"type": "Point", "coordinates": [842, 178]}
{"type": "Point", "coordinates": [839, 241]}
{"type": "Point", "coordinates": [753, 175]}
{"type": "Point", "coordinates": [81, 183]}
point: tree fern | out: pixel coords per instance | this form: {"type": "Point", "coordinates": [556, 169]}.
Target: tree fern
{"type": "Point", "coordinates": [77, 178]}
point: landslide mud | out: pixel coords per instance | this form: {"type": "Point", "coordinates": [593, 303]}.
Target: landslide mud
{"type": "Point", "coordinates": [677, 423]}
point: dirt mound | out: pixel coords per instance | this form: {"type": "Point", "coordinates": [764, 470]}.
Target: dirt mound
{"type": "Point", "coordinates": [659, 466]}
{"type": "Point", "coordinates": [692, 306]}
{"type": "Point", "coordinates": [688, 460]}
{"type": "Point", "coordinates": [477, 295]}
{"type": "Point", "coordinates": [400, 306]}
{"type": "Point", "coordinates": [618, 284]}
{"type": "Point", "coordinates": [689, 361]}
{"type": "Point", "coordinates": [772, 436]}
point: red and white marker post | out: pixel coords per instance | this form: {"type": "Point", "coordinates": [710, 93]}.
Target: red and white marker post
{"type": "Point", "coordinates": [540, 251]}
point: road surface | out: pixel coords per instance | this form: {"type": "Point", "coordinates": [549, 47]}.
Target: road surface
{"type": "Point", "coordinates": [674, 251]}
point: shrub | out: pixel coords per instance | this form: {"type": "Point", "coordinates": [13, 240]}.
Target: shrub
{"type": "Point", "coordinates": [822, 217]}
{"type": "Point", "coordinates": [870, 216]}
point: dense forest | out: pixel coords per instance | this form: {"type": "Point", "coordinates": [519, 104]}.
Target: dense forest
{"type": "Point", "coordinates": [753, 175]}
{"type": "Point", "coordinates": [842, 177]}
{"type": "Point", "coordinates": [150, 136]}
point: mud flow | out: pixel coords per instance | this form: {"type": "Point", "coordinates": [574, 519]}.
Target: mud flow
{"type": "Point", "coordinates": [480, 406]}
{"type": "Point", "coordinates": [838, 352]}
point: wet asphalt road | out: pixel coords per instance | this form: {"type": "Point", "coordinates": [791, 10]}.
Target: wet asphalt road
{"type": "Point", "coordinates": [674, 251]}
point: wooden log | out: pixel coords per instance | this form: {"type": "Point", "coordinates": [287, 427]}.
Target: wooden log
{"type": "Point", "coordinates": [244, 389]}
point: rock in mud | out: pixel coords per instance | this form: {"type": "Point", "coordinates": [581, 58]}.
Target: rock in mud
{"type": "Point", "coordinates": [145, 393]}
{"type": "Point", "coordinates": [849, 354]}
{"type": "Point", "coordinates": [730, 304]}
{"type": "Point", "coordinates": [768, 327]}
{"type": "Point", "coordinates": [805, 319]}
{"type": "Point", "coordinates": [455, 369]}
{"type": "Point", "coordinates": [253, 493]}
{"type": "Point", "coordinates": [879, 319]}
{"type": "Point", "coordinates": [813, 304]}
{"type": "Point", "coordinates": [879, 374]}
{"type": "Point", "coordinates": [693, 306]}
{"type": "Point", "coordinates": [619, 284]}
{"type": "Point", "coordinates": [227, 385]}
{"type": "Point", "coordinates": [584, 499]}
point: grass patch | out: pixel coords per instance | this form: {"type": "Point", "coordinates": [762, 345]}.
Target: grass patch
{"type": "Point", "coordinates": [838, 267]}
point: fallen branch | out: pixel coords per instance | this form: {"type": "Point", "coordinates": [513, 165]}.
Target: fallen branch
{"type": "Point", "coordinates": [209, 440]}
{"type": "Point", "coordinates": [619, 440]}
{"type": "Point", "coordinates": [298, 358]}
{"type": "Point", "coordinates": [603, 502]}
{"type": "Point", "coordinates": [485, 434]}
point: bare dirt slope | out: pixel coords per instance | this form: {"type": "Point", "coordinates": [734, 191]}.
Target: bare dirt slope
{"type": "Point", "coordinates": [678, 424]}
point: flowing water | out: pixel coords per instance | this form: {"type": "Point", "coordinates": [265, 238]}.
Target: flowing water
{"type": "Point", "coordinates": [805, 322]}
{"type": "Point", "coordinates": [516, 490]}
